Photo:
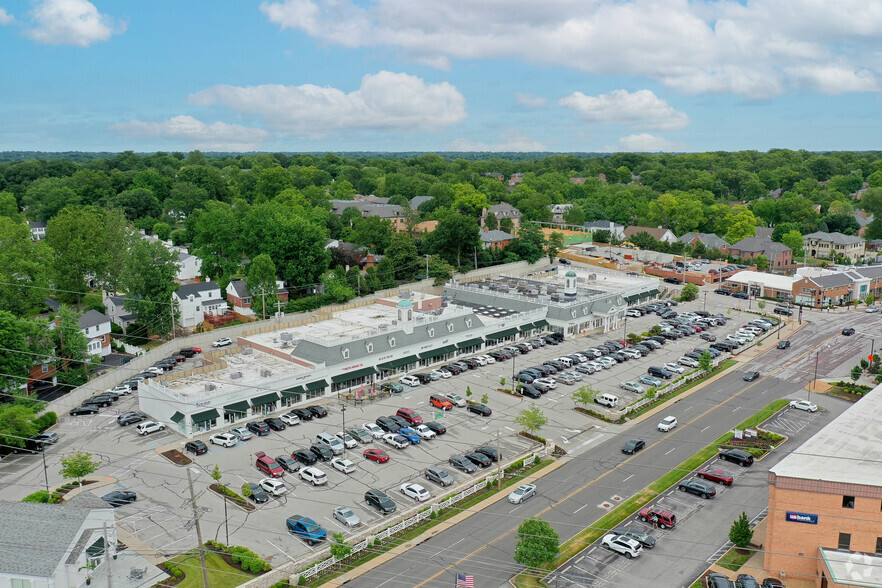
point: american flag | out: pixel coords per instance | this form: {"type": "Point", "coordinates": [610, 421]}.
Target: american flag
{"type": "Point", "coordinates": [465, 580]}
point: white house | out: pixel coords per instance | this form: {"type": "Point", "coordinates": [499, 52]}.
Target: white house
{"type": "Point", "coordinates": [189, 266]}
{"type": "Point", "coordinates": [116, 310]}
{"type": "Point", "coordinates": [54, 545]}
{"type": "Point", "coordinates": [96, 327]}
{"type": "Point", "coordinates": [196, 300]}
{"type": "Point", "coordinates": [38, 230]}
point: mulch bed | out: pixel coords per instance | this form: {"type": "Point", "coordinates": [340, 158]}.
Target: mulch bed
{"type": "Point", "coordinates": [241, 503]}
{"type": "Point", "coordinates": [176, 457]}
{"type": "Point", "coordinates": [531, 437]}
{"type": "Point", "coordinates": [229, 559]}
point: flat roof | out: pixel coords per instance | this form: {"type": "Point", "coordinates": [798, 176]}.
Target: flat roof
{"type": "Point", "coordinates": [846, 451]}
{"type": "Point", "coordinates": [852, 569]}
{"type": "Point", "coordinates": [767, 280]}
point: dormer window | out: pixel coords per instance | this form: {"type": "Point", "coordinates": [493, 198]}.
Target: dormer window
{"type": "Point", "coordinates": [450, 327]}
{"type": "Point", "coordinates": [468, 323]}
{"type": "Point", "coordinates": [391, 341]}
{"type": "Point", "coordinates": [345, 352]}
{"type": "Point", "coordinates": [369, 347]}
{"type": "Point", "coordinates": [431, 331]}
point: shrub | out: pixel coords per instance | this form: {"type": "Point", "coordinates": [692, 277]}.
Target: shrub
{"type": "Point", "coordinates": [41, 496]}
{"type": "Point", "coordinates": [250, 561]}
{"type": "Point", "coordinates": [45, 421]}
{"type": "Point", "coordinates": [246, 490]}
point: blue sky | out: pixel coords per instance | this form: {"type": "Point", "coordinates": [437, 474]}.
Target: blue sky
{"type": "Point", "coordinates": [440, 75]}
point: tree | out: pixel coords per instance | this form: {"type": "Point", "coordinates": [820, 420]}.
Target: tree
{"type": "Point", "coordinates": [216, 232]}
{"type": "Point", "coordinates": [216, 474]}
{"type": "Point", "coordinates": [740, 534]}
{"type": "Point", "coordinates": [485, 398]}
{"type": "Point", "coordinates": [137, 203]}
{"type": "Point", "coordinates": [575, 216]}
{"type": "Point", "coordinates": [706, 361]}
{"type": "Point", "coordinates": [440, 270]}
{"type": "Point", "coordinates": [537, 544]}
{"type": "Point", "coordinates": [602, 236]}
{"type": "Point", "coordinates": [585, 395]}
{"type": "Point", "coordinates": [261, 282]}
{"type": "Point", "coordinates": [741, 223]}
{"type": "Point", "coordinates": [25, 342]}
{"type": "Point", "coordinates": [761, 304]}
{"type": "Point", "coordinates": [72, 347]}
{"type": "Point", "coordinates": [24, 269]}
{"type": "Point", "coordinates": [297, 247]}
{"type": "Point", "coordinates": [456, 233]}
{"type": "Point", "coordinates": [162, 231]}
{"type": "Point", "coordinates": [870, 300]}
{"type": "Point", "coordinates": [340, 549]}
{"type": "Point", "coordinates": [532, 419]}
{"type": "Point", "coordinates": [491, 222]}
{"type": "Point", "coordinates": [529, 244]}
{"type": "Point", "coordinates": [79, 238]}
{"type": "Point", "coordinates": [16, 423]}
{"type": "Point", "coordinates": [553, 245]}
{"type": "Point", "coordinates": [761, 261]}
{"type": "Point", "coordinates": [9, 206]}
{"type": "Point", "coordinates": [78, 465]}
{"type": "Point", "coordinates": [402, 251]}
{"type": "Point", "coordinates": [856, 372]}
{"type": "Point", "coordinates": [793, 239]}
{"type": "Point", "coordinates": [149, 279]}
{"type": "Point", "coordinates": [689, 292]}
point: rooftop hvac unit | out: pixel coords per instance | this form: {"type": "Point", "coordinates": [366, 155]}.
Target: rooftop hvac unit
{"type": "Point", "coordinates": [592, 276]}
{"type": "Point", "coordinates": [266, 372]}
{"type": "Point", "coordinates": [394, 322]}
{"type": "Point", "coordinates": [248, 351]}
{"type": "Point", "coordinates": [275, 339]}
{"type": "Point", "coordinates": [287, 336]}
{"type": "Point", "coordinates": [404, 295]}
{"type": "Point", "coordinates": [210, 387]}
{"type": "Point", "coordinates": [439, 311]}
{"type": "Point", "coordinates": [235, 375]}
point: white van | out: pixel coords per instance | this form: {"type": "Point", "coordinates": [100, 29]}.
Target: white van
{"type": "Point", "coordinates": [609, 400]}
{"type": "Point", "coordinates": [330, 441]}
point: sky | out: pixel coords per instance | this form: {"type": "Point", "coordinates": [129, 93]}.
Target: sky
{"type": "Point", "coordinates": [440, 75]}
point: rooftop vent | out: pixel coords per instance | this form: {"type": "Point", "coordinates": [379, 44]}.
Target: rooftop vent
{"type": "Point", "coordinates": [210, 387]}
{"type": "Point", "coordinates": [287, 336]}
{"type": "Point", "coordinates": [235, 375]}
{"type": "Point", "coordinates": [265, 373]}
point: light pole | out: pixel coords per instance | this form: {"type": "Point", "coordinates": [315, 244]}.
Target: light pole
{"type": "Point", "coordinates": [704, 304]}
{"type": "Point", "coordinates": [814, 382]}
{"type": "Point", "coordinates": [343, 410]}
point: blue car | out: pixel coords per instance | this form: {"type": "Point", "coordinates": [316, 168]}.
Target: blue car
{"type": "Point", "coordinates": [307, 529]}
{"type": "Point", "coordinates": [650, 381]}
{"type": "Point", "coordinates": [410, 435]}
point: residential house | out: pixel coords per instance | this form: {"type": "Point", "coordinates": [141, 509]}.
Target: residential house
{"type": "Point", "coordinates": [371, 199]}
{"type": "Point", "coordinates": [417, 200]}
{"type": "Point", "coordinates": [658, 233]}
{"type": "Point", "coordinates": [874, 245]}
{"type": "Point", "coordinates": [115, 304]}
{"type": "Point", "coordinates": [55, 545]}
{"type": "Point", "coordinates": [494, 175]}
{"type": "Point", "coordinates": [350, 255]}
{"type": "Point", "coordinates": [38, 230]}
{"type": "Point", "coordinates": [577, 181]}
{"type": "Point", "coordinates": [780, 256]}
{"type": "Point", "coordinates": [863, 219]}
{"type": "Point", "coordinates": [615, 229]}
{"type": "Point", "coordinates": [515, 179]}
{"type": "Point", "coordinates": [764, 232]}
{"type": "Point", "coordinates": [495, 239]}
{"type": "Point", "coordinates": [189, 266]}
{"type": "Point", "coordinates": [502, 211]}
{"type": "Point", "coordinates": [424, 227]}
{"type": "Point", "coordinates": [41, 374]}
{"type": "Point", "coordinates": [558, 211]}
{"type": "Point", "coordinates": [391, 212]}
{"type": "Point", "coordinates": [96, 327]}
{"type": "Point", "coordinates": [821, 245]}
{"type": "Point", "coordinates": [709, 240]}
{"type": "Point", "coordinates": [197, 300]}
{"type": "Point", "coordinates": [242, 300]}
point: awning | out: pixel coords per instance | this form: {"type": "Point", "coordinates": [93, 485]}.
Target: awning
{"type": "Point", "coordinates": [470, 343]}
{"type": "Point", "coordinates": [241, 406]}
{"type": "Point", "coordinates": [353, 375]}
{"type": "Point", "coordinates": [318, 385]}
{"type": "Point", "coordinates": [502, 334]}
{"type": "Point", "coordinates": [437, 352]}
{"type": "Point", "coordinates": [633, 297]}
{"type": "Point", "coordinates": [292, 392]}
{"type": "Point", "coordinates": [205, 415]}
{"type": "Point", "coordinates": [652, 293]}
{"type": "Point", "coordinates": [96, 549]}
{"type": "Point", "coordinates": [264, 399]}
{"type": "Point", "coordinates": [540, 324]}
{"type": "Point", "coordinates": [177, 417]}
{"type": "Point", "coordinates": [527, 327]}
{"type": "Point", "coordinates": [397, 363]}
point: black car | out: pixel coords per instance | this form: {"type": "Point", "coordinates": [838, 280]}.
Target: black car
{"type": "Point", "coordinates": [387, 424]}
{"type": "Point", "coordinates": [480, 409]}
{"type": "Point", "coordinates": [119, 498]}
{"type": "Point", "coordinates": [423, 378]}
{"type": "Point", "coordinates": [540, 387]}
{"type": "Point", "coordinates": [496, 355]}
{"type": "Point", "coordinates": [437, 427]}
{"type": "Point", "coordinates": [784, 344]}
{"type": "Point", "coordinates": [31, 445]}
{"type": "Point", "coordinates": [471, 363]}
{"type": "Point", "coordinates": [525, 378]}
{"type": "Point", "coordinates": [288, 463]}
{"type": "Point", "coordinates": [305, 457]}
{"type": "Point", "coordinates": [132, 384]}
{"type": "Point", "coordinates": [633, 446]}
{"type": "Point", "coordinates": [187, 352]}
{"type": "Point", "coordinates": [722, 346]}
{"type": "Point", "coordinates": [197, 447]}
{"type": "Point", "coordinates": [659, 372]}
{"type": "Point", "coordinates": [740, 295]}
{"type": "Point", "coordinates": [746, 581]}
{"type": "Point", "coordinates": [275, 424]}
{"type": "Point", "coordinates": [717, 580]}
{"type": "Point", "coordinates": [259, 429]}
{"type": "Point", "coordinates": [258, 494]}
{"type": "Point", "coordinates": [738, 456]}
{"type": "Point", "coordinates": [782, 310]}
{"type": "Point", "coordinates": [130, 418]}
{"type": "Point", "coordinates": [698, 488]}
{"type": "Point", "coordinates": [463, 463]}
{"type": "Point", "coordinates": [549, 369]}
{"type": "Point", "coordinates": [102, 401]}
{"type": "Point", "coordinates": [317, 411]}
{"type": "Point", "coordinates": [323, 452]}
{"type": "Point", "coordinates": [85, 409]}
{"type": "Point", "coordinates": [723, 291]}
{"type": "Point", "coordinates": [644, 539]}
{"type": "Point", "coordinates": [751, 376]}
{"type": "Point", "coordinates": [551, 341]}
{"type": "Point", "coordinates": [529, 391]}
{"type": "Point", "coordinates": [479, 459]}
{"type": "Point", "coordinates": [380, 501]}
{"type": "Point", "coordinates": [772, 583]}
{"type": "Point", "coordinates": [305, 415]}
{"type": "Point", "coordinates": [402, 422]}
{"type": "Point", "coordinates": [848, 332]}
{"type": "Point", "coordinates": [489, 452]}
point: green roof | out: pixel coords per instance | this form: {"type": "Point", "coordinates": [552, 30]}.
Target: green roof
{"type": "Point", "coordinates": [353, 375]}
{"type": "Point", "coordinates": [264, 399]}
{"type": "Point", "coordinates": [240, 406]}
{"type": "Point", "coordinates": [317, 385]}
{"type": "Point", "coordinates": [437, 352]}
{"type": "Point", "coordinates": [205, 415]}
{"type": "Point", "coordinates": [397, 363]}
{"type": "Point", "coordinates": [292, 392]}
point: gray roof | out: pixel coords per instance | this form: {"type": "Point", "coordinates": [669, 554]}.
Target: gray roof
{"type": "Point", "coordinates": [119, 299]}
{"type": "Point", "coordinates": [195, 289]}
{"type": "Point", "coordinates": [214, 302]}
{"type": "Point", "coordinates": [417, 200]}
{"type": "Point", "coordinates": [53, 304]}
{"type": "Point", "coordinates": [31, 548]}
{"type": "Point", "coordinates": [863, 221]}
{"type": "Point", "coordinates": [873, 271]}
{"type": "Point", "coordinates": [92, 318]}
{"type": "Point", "coordinates": [603, 225]}
{"type": "Point", "coordinates": [367, 208]}
{"type": "Point", "coordinates": [495, 235]}
{"type": "Point", "coordinates": [760, 245]}
{"type": "Point", "coordinates": [707, 239]}
{"type": "Point", "coordinates": [833, 280]}
{"type": "Point", "coordinates": [240, 289]}
{"type": "Point", "coordinates": [764, 232]}
{"type": "Point", "coordinates": [835, 238]}
{"type": "Point", "coordinates": [37, 225]}
{"type": "Point", "coordinates": [505, 210]}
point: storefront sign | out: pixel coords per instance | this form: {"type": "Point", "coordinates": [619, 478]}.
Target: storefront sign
{"type": "Point", "coordinates": [801, 517]}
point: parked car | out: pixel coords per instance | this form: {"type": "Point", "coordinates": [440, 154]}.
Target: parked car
{"type": "Point", "coordinates": [313, 475]}
{"type": "Point", "coordinates": [424, 378]}
{"type": "Point", "coordinates": [348, 441]}
{"type": "Point", "coordinates": [317, 411]}
{"type": "Point", "coordinates": [372, 429]}
{"type": "Point", "coordinates": [377, 455]}
{"type": "Point", "coordinates": [223, 342]}
{"type": "Point", "coordinates": [415, 491]}
{"type": "Point", "coordinates": [119, 498]}
{"type": "Point", "coordinates": [395, 387]}
{"type": "Point", "coordinates": [345, 515]}
{"type": "Point", "coordinates": [436, 427]}
{"type": "Point", "coordinates": [306, 528]}
{"type": "Point", "coordinates": [463, 463]}
{"type": "Point", "coordinates": [694, 486]}
{"type": "Point", "coordinates": [644, 539]}
{"type": "Point", "coordinates": [361, 435]}
{"type": "Point", "coordinates": [411, 435]}
{"type": "Point", "coordinates": [304, 414]}
{"type": "Point", "coordinates": [148, 427]}
{"type": "Point", "coordinates": [746, 581]}
{"type": "Point", "coordinates": [305, 456]}
{"type": "Point", "coordinates": [196, 447]}
{"type": "Point", "coordinates": [438, 475]}
{"type": "Point", "coordinates": [649, 380]}
{"type": "Point", "coordinates": [425, 432]}
{"type": "Point", "coordinates": [738, 456]}
{"type": "Point", "coordinates": [273, 487]}
{"type": "Point", "coordinates": [129, 418]}
{"type": "Point", "coordinates": [387, 424]}
{"type": "Point", "coordinates": [267, 465]}
{"type": "Point", "coordinates": [804, 405]}
{"type": "Point", "coordinates": [257, 494]}
{"type": "Point", "coordinates": [290, 419]}
{"type": "Point", "coordinates": [343, 465]}
{"type": "Point", "coordinates": [275, 423]}
{"type": "Point", "coordinates": [410, 381]}
{"type": "Point", "coordinates": [522, 493]}
{"type": "Point", "coordinates": [479, 459]}
{"type": "Point", "coordinates": [657, 516]}
{"type": "Point", "coordinates": [322, 451]}
{"type": "Point", "coordinates": [632, 387]}
{"type": "Point", "coordinates": [480, 409]}
{"type": "Point", "coordinates": [715, 475]}
{"type": "Point", "coordinates": [621, 544]}
{"type": "Point", "coordinates": [380, 501]}
{"type": "Point", "coordinates": [288, 463]}
{"type": "Point", "coordinates": [395, 440]}
{"type": "Point", "coordinates": [242, 433]}
{"type": "Point", "coordinates": [258, 428]}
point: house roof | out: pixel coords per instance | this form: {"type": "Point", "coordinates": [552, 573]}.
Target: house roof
{"type": "Point", "coordinates": [37, 225]}
{"type": "Point", "coordinates": [504, 209]}
{"type": "Point", "coordinates": [873, 271]}
{"type": "Point", "coordinates": [196, 289]}
{"type": "Point", "coordinates": [118, 299]}
{"type": "Point", "coordinates": [603, 225]}
{"type": "Point", "coordinates": [417, 200]}
{"type": "Point", "coordinates": [833, 280]}
{"type": "Point", "coordinates": [214, 302]}
{"type": "Point", "coordinates": [862, 218]}
{"type": "Point", "coordinates": [368, 208]}
{"type": "Point", "coordinates": [760, 245]}
{"type": "Point", "coordinates": [53, 304]}
{"type": "Point", "coordinates": [707, 239]}
{"type": "Point", "coordinates": [835, 238]}
{"type": "Point", "coordinates": [92, 318]}
{"type": "Point", "coordinates": [29, 549]}
{"type": "Point", "coordinates": [495, 236]}
{"type": "Point", "coordinates": [655, 232]}
{"type": "Point", "coordinates": [239, 289]}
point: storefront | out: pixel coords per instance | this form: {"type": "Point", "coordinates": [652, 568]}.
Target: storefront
{"type": "Point", "coordinates": [264, 404]}
{"type": "Point", "coordinates": [352, 379]}
{"type": "Point", "coordinates": [236, 411]}
{"type": "Point", "coordinates": [205, 420]}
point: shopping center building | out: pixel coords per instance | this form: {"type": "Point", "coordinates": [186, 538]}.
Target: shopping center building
{"type": "Point", "coordinates": [825, 503]}
{"type": "Point", "coordinates": [352, 351]}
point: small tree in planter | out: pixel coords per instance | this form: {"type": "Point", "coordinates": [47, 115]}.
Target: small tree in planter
{"type": "Point", "coordinates": [532, 419]}
{"type": "Point", "coordinates": [740, 534]}
{"type": "Point", "coordinates": [706, 361]}
{"type": "Point", "coordinates": [78, 465]}
{"type": "Point", "coordinates": [502, 382]}
{"type": "Point", "coordinates": [485, 399]}
{"type": "Point", "coordinates": [585, 395]}
{"type": "Point", "coordinates": [856, 372]}
{"type": "Point", "coordinates": [339, 547]}
{"type": "Point", "coordinates": [469, 391]}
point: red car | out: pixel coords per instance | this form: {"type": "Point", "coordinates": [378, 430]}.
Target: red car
{"type": "Point", "coordinates": [377, 455]}
{"type": "Point", "coordinates": [440, 402]}
{"type": "Point", "coordinates": [268, 465]}
{"type": "Point", "coordinates": [715, 475]}
{"type": "Point", "coordinates": [410, 416]}
{"type": "Point", "coordinates": [663, 518]}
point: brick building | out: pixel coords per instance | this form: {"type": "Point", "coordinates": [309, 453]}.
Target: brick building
{"type": "Point", "coordinates": [780, 256]}
{"type": "Point", "coordinates": [821, 245]}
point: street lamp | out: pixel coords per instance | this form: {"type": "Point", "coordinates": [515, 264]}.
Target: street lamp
{"type": "Point", "coordinates": [815, 381]}
{"type": "Point", "coordinates": [704, 304]}
{"type": "Point", "coordinates": [343, 410]}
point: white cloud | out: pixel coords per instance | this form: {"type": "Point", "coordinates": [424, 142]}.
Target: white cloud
{"type": "Point", "coordinates": [5, 17]}
{"type": "Point", "coordinates": [71, 22]}
{"type": "Point", "coordinates": [195, 133]}
{"type": "Point", "coordinates": [644, 142]}
{"type": "Point", "coordinates": [641, 109]}
{"type": "Point", "coordinates": [528, 100]}
{"type": "Point", "coordinates": [384, 101]}
{"type": "Point", "coordinates": [510, 140]}
{"type": "Point", "coordinates": [756, 48]}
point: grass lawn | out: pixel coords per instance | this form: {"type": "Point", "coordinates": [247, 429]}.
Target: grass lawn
{"type": "Point", "coordinates": [220, 575]}
{"type": "Point", "coordinates": [733, 560]}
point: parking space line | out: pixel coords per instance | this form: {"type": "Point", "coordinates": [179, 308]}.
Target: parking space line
{"type": "Point", "coordinates": [580, 508]}
{"type": "Point", "coordinates": [670, 450]}
{"type": "Point", "coordinates": [628, 478]}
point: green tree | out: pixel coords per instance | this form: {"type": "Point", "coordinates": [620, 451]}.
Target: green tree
{"type": "Point", "coordinates": [440, 270]}
{"type": "Point", "coordinates": [689, 292]}
{"type": "Point", "coordinates": [337, 286]}
{"type": "Point", "coordinates": [485, 398]}
{"type": "Point", "coordinates": [272, 181]}
{"type": "Point", "coordinates": [78, 465]}
{"type": "Point", "coordinates": [216, 474]}
{"type": "Point", "coordinates": [761, 261]}
{"type": "Point", "coordinates": [340, 549]}
{"type": "Point", "coordinates": [741, 223]}
{"type": "Point", "coordinates": [554, 245]}
{"type": "Point", "coordinates": [585, 395]}
{"type": "Point", "coordinates": [162, 231]}
{"type": "Point", "coordinates": [9, 207]}
{"type": "Point", "coordinates": [507, 225]}
{"type": "Point", "coordinates": [706, 361]}
{"type": "Point", "coordinates": [456, 234]}
{"type": "Point", "coordinates": [793, 239]}
{"type": "Point", "coordinates": [870, 300]}
{"type": "Point", "coordinates": [740, 533]}
{"type": "Point", "coordinates": [24, 269]}
{"type": "Point", "coordinates": [149, 279]}
{"type": "Point", "coordinates": [72, 347]}
{"type": "Point", "coordinates": [25, 342]}
{"type": "Point", "coordinates": [602, 236]}
{"type": "Point", "coordinates": [297, 247]}
{"type": "Point", "coordinates": [46, 197]}
{"type": "Point", "coordinates": [538, 543]}
{"type": "Point", "coordinates": [529, 244]}
{"type": "Point", "coordinates": [491, 222]}
{"type": "Point", "coordinates": [402, 251]}
{"type": "Point", "coordinates": [531, 419]}
{"type": "Point", "coordinates": [137, 203]}
{"type": "Point", "coordinates": [216, 231]}
{"type": "Point", "coordinates": [17, 422]}
{"type": "Point", "coordinates": [261, 282]}
{"type": "Point", "coordinates": [761, 304]}
{"type": "Point", "coordinates": [856, 372]}
{"type": "Point", "coordinates": [575, 216]}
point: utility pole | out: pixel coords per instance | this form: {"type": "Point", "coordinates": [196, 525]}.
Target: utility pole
{"type": "Point", "coordinates": [263, 302]}
{"type": "Point", "coordinates": [815, 381]}
{"type": "Point", "coordinates": [427, 267]}
{"type": "Point", "coordinates": [45, 471]}
{"type": "Point", "coordinates": [476, 258]}
{"type": "Point", "coordinates": [107, 558]}
{"type": "Point", "coordinates": [498, 463]}
{"type": "Point", "coordinates": [343, 410]}
{"type": "Point", "coordinates": [198, 530]}
{"type": "Point", "coordinates": [171, 308]}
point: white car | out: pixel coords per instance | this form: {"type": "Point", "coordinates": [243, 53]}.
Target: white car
{"type": "Point", "coordinates": [673, 367]}
{"type": "Point", "coordinates": [488, 359]}
{"type": "Point", "coordinates": [424, 432]}
{"type": "Point", "coordinates": [607, 362]}
{"type": "Point", "coordinates": [314, 476]}
{"type": "Point", "coordinates": [242, 433]}
{"type": "Point", "coordinates": [373, 430]}
{"type": "Point", "coordinates": [412, 381]}
{"type": "Point", "coordinates": [441, 374]}
{"type": "Point", "coordinates": [343, 465]}
{"type": "Point", "coordinates": [224, 439]}
{"type": "Point", "coordinates": [633, 313]}
{"type": "Point", "coordinates": [805, 404]}
{"type": "Point", "coordinates": [154, 370]}
{"type": "Point", "coordinates": [632, 353]}
{"type": "Point", "coordinates": [290, 419]}
{"type": "Point", "coordinates": [148, 427]}
{"type": "Point", "coordinates": [455, 399]}
{"type": "Point", "coordinates": [574, 375]}
{"type": "Point", "coordinates": [748, 336]}
{"type": "Point", "coordinates": [274, 487]}
{"type": "Point", "coordinates": [345, 515]}
{"type": "Point", "coordinates": [522, 493]}
{"type": "Point", "coordinates": [688, 361]}
{"type": "Point", "coordinates": [480, 359]}
{"type": "Point", "coordinates": [347, 440]}
{"type": "Point", "coordinates": [121, 389]}
{"type": "Point", "coordinates": [872, 309]}
{"type": "Point", "coordinates": [622, 545]}
{"type": "Point", "coordinates": [547, 381]}
{"type": "Point", "coordinates": [223, 342]}
{"type": "Point", "coordinates": [667, 424]}
{"type": "Point", "coordinates": [395, 440]}
{"type": "Point", "coordinates": [632, 387]}
{"type": "Point", "coordinates": [415, 491]}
